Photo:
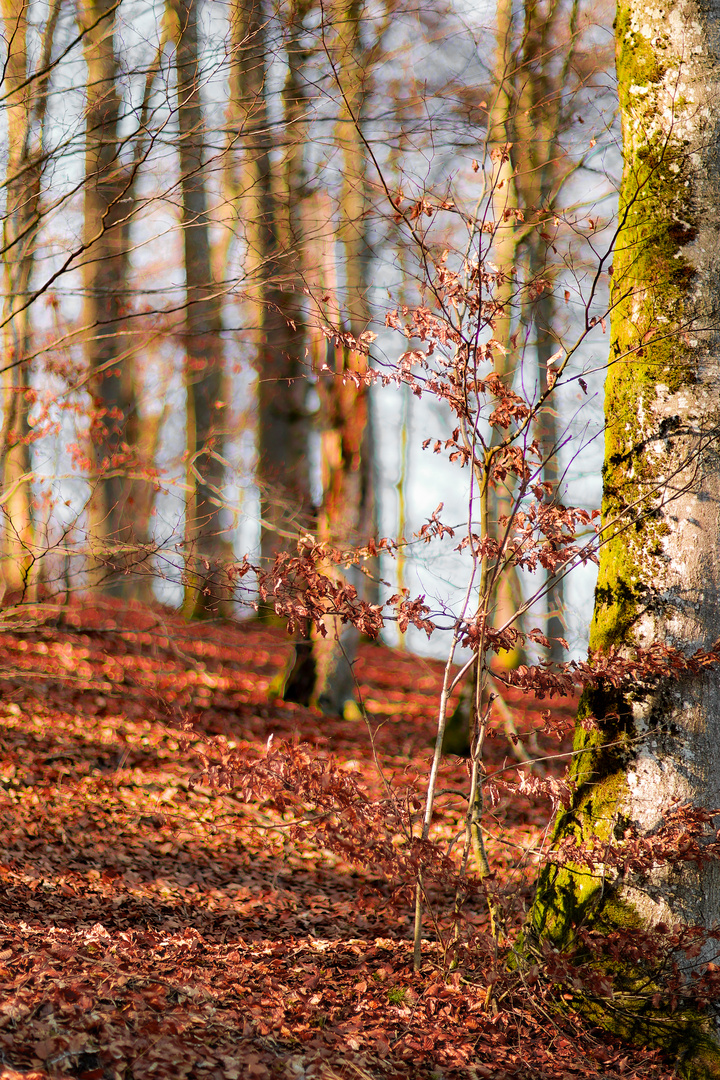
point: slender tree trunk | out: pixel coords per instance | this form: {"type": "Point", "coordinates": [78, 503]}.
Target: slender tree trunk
{"type": "Point", "coordinates": [543, 310]}
{"type": "Point", "coordinates": [354, 238]}
{"type": "Point", "coordinates": [207, 548]}
{"type": "Point", "coordinates": [113, 517]}
{"type": "Point", "coordinates": [346, 515]}
{"type": "Point", "coordinates": [26, 110]}
{"type": "Point", "coordinates": [542, 77]}
{"type": "Point", "coordinates": [297, 682]}
{"type": "Point", "coordinates": [274, 244]}
{"type": "Point", "coordinates": [18, 243]}
{"type": "Point", "coordinates": [656, 745]}
{"type": "Point", "coordinates": [505, 596]}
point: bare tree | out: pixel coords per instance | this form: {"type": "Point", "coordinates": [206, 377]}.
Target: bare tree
{"type": "Point", "coordinates": [114, 417]}
{"type": "Point", "coordinates": [207, 547]}
{"type": "Point", "coordinates": [270, 199]}
{"type": "Point", "coordinates": [25, 111]}
{"type": "Point", "coordinates": [121, 442]}
{"type": "Point", "coordinates": [548, 53]}
{"type": "Point", "coordinates": [345, 516]}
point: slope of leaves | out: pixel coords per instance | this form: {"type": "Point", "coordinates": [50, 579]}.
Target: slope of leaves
{"type": "Point", "coordinates": [154, 926]}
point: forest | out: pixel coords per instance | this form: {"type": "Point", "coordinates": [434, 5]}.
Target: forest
{"type": "Point", "coordinates": [359, 557]}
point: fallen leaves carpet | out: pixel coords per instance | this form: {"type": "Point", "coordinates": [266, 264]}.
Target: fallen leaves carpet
{"type": "Point", "coordinates": [150, 928]}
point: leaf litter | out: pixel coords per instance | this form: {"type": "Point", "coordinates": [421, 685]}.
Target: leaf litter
{"type": "Point", "coordinates": [152, 927]}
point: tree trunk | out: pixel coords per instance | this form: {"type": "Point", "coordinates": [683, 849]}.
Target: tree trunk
{"type": "Point", "coordinates": [272, 220]}
{"type": "Point", "coordinates": [539, 122]}
{"type": "Point", "coordinates": [22, 189]}
{"type": "Point", "coordinates": [26, 110]}
{"type": "Point", "coordinates": [117, 530]}
{"type": "Point", "coordinates": [505, 595]}
{"type": "Point", "coordinates": [346, 515]}
{"type": "Point", "coordinates": [547, 433]}
{"type": "Point", "coordinates": [208, 550]}
{"type": "Point", "coordinates": [655, 746]}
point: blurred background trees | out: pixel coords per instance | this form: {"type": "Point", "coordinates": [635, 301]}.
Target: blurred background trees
{"type": "Point", "coordinates": [209, 209]}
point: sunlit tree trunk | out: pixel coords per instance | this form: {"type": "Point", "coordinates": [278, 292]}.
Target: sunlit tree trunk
{"type": "Point", "coordinates": [25, 110]}
{"type": "Point", "coordinates": [207, 547]}
{"type": "Point", "coordinates": [115, 526]}
{"type": "Point", "coordinates": [354, 240]}
{"type": "Point", "coordinates": [542, 76]}
{"type": "Point", "coordinates": [17, 536]}
{"type": "Point", "coordinates": [656, 746]}
{"type": "Point", "coordinates": [271, 212]}
{"type": "Point", "coordinates": [504, 595]}
{"type": "Point", "coordinates": [345, 517]}
{"type": "Point", "coordinates": [544, 309]}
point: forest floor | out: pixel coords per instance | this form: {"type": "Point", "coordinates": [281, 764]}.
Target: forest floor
{"type": "Point", "coordinates": [153, 926]}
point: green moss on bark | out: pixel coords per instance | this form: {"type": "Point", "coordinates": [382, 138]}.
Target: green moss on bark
{"type": "Point", "coordinates": [653, 358]}
{"type": "Point", "coordinates": [652, 280]}
{"type": "Point", "coordinates": [571, 896]}
{"type": "Point", "coordinates": [685, 1036]}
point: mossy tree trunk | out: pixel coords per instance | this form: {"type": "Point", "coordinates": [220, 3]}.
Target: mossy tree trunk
{"type": "Point", "coordinates": [652, 747]}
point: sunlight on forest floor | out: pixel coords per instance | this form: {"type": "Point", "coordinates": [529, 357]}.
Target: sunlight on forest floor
{"type": "Point", "coordinates": [156, 929]}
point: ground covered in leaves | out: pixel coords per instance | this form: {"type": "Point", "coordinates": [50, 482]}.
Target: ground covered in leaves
{"type": "Point", "coordinates": [152, 925]}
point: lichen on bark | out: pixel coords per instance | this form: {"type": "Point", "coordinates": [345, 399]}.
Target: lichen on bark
{"type": "Point", "coordinates": [640, 750]}
{"type": "Point", "coordinates": [653, 297]}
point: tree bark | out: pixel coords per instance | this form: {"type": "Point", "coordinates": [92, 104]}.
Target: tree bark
{"type": "Point", "coordinates": [542, 78]}
{"type": "Point", "coordinates": [208, 550]}
{"type": "Point", "coordinates": [25, 110]}
{"type": "Point", "coordinates": [117, 530]}
{"type": "Point", "coordinates": [272, 223]}
{"type": "Point", "coordinates": [346, 515]}
{"type": "Point", "coordinates": [17, 533]}
{"type": "Point", "coordinates": [504, 595]}
{"type": "Point", "coordinates": [654, 746]}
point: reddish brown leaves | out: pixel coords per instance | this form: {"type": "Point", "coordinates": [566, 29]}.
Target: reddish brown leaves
{"type": "Point", "coordinates": [158, 926]}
